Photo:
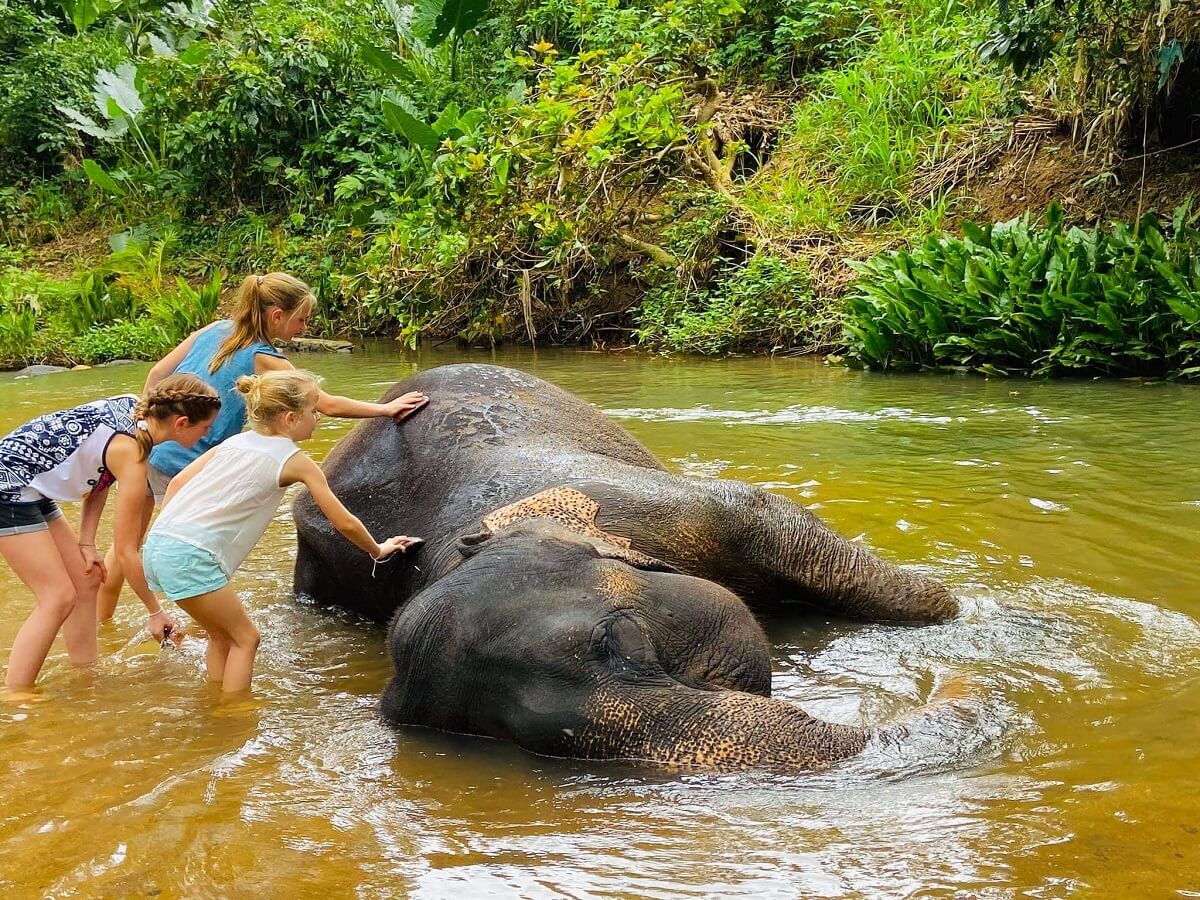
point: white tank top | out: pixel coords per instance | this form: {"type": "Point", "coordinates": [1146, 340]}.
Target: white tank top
{"type": "Point", "coordinates": [77, 474]}
{"type": "Point", "coordinates": [227, 507]}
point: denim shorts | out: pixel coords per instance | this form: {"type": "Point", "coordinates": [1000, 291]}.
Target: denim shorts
{"type": "Point", "coordinates": [27, 517]}
{"type": "Point", "coordinates": [178, 569]}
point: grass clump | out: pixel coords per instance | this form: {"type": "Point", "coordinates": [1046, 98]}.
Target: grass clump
{"type": "Point", "coordinates": [124, 308]}
{"type": "Point", "coordinates": [1024, 298]}
{"type": "Point", "coordinates": [857, 140]}
{"type": "Point", "coordinates": [765, 303]}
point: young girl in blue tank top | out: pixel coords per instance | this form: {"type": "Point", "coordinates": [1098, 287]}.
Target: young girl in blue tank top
{"type": "Point", "coordinates": [79, 453]}
{"type": "Point", "coordinates": [273, 307]}
{"type": "Point", "coordinates": [218, 507]}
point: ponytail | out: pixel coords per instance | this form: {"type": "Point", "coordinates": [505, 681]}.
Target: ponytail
{"type": "Point", "coordinates": [176, 395]}
{"type": "Point", "coordinates": [258, 295]}
{"type": "Point", "coordinates": [270, 395]}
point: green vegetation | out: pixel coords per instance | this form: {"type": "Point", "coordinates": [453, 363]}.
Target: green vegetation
{"type": "Point", "coordinates": [125, 309]}
{"type": "Point", "coordinates": [1017, 298]}
{"type": "Point", "coordinates": [686, 174]}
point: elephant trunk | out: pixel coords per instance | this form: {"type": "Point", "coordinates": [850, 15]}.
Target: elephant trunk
{"type": "Point", "coordinates": [735, 731]}
{"type": "Point", "coordinates": [789, 550]}
{"type": "Point", "coordinates": [715, 730]}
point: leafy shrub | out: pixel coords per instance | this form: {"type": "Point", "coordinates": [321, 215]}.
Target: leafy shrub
{"type": "Point", "coordinates": [140, 339]}
{"type": "Point", "coordinates": [1021, 298]}
{"type": "Point", "coordinates": [27, 301]}
{"type": "Point", "coordinates": [1110, 61]}
{"type": "Point", "coordinates": [856, 141]}
{"type": "Point", "coordinates": [182, 311]}
{"type": "Point", "coordinates": [766, 302]}
{"type": "Point", "coordinates": [39, 67]}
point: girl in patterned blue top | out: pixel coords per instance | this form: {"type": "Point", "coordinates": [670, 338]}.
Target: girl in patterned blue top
{"type": "Point", "coordinates": [79, 453]}
{"type": "Point", "coordinates": [270, 308]}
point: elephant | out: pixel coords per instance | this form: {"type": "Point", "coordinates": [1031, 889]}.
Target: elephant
{"type": "Point", "coordinates": [575, 597]}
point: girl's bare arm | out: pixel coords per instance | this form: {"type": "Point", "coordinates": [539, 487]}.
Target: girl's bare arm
{"type": "Point", "coordinates": [130, 471]}
{"type": "Point", "coordinates": [347, 407]}
{"type": "Point", "coordinates": [171, 361]}
{"type": "Point", "coordinates": [299, 468]}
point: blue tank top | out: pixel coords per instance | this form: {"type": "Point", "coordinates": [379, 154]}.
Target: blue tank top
{"type": "Point", "coordinates": [172, 458]}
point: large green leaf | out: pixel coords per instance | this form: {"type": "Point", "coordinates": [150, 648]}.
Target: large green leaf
{"type": "Point", "coordinates": [97, 176]}
{"type": "Point", "coordinates": [118, 88]}
{"type": "Point", "coordinates": [86, 123]}
{"type": "Point", "coordinates": [447, 120]}
{"type": "Point", "coordinates": [405, 123]}
{"type": "Point", "coordinates": [458, 16]}
{"type": "Point", "coordinates": [425, 14]}
{"type": "Point", "coordinates": [84, 13]}
{"type": "Point", "coordinates": [386, 62]}
{"type": "Point", "coordinates": [196, 53]}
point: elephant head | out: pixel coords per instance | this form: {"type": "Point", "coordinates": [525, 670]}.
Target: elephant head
{"type": "Point", "coordinates": [558, 642]}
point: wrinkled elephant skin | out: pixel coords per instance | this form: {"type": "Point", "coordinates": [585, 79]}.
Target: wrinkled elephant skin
{"type": "Point", "coordinates": [572, 595]}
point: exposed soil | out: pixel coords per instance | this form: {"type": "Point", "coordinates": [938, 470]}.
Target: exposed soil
{"type": "Point", "coordinates": [61, 257]}
{"type": "Point", "coordinates": [1032, 176]}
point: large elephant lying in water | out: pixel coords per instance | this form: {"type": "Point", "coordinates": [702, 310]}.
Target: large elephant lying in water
{"type": "Point", "coordinates": [573, 596]}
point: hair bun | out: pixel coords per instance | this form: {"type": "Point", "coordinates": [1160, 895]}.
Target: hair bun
{"type": "Point", "coordinates": [246, 384]}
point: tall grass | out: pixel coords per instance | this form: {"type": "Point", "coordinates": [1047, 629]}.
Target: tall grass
{"type": "Point", "coordinates": [857, 139]}
{"type": "Point", "coordinates": [1037, 299]}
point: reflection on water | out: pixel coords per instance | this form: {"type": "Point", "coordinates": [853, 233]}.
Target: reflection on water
{"type": "Point", "coordinates": [1066, 514]}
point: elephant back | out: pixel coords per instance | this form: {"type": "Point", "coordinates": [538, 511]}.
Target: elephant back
{"type": "Point", "coordinates": [476, 408]}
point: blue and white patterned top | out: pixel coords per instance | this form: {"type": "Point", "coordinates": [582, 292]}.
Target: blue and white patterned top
{"type": "Point", "coordinates": [61, 454]}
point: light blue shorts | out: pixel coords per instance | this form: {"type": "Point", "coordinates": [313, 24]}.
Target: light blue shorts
{"type": "Point", "coordinates": [178, 569]}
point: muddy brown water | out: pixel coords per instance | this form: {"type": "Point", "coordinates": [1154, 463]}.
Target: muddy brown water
{"type": "Point", "coordinates": [1067, 515]}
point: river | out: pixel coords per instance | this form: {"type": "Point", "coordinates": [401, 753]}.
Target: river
{"type": "Point", "coordinates": [1066, 514]}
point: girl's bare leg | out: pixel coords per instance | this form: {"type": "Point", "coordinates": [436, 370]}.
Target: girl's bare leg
{"type": "Point", "coordinates": [110, 591]}
{"type": "Point", "coordinates": [220, 612]}
{"type": "Point", "coordinates": [35, 559]}
{"type": "Point", "coordinates": [79, 629]}
{"type": "Point", "coordinates": [218, 651]}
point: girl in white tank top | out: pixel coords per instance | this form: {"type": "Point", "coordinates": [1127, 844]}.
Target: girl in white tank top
{"type": "Point", "coordinates": [218, 507]}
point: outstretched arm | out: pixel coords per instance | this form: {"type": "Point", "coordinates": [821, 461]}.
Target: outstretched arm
{"type": "Point", "coordinates": [130, 471]}
{"type": "Point", "coordinates": [347, 407]}
{"type": "Point", "coordinates": [299, 468]}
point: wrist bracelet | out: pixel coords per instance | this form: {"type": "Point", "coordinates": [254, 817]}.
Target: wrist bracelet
{"type": "Point", "coordinates": [379, 561]}
{"type": "Point", "coordinates": [89, 546]}
{"type": "Point", "coordinates": [156, 612]}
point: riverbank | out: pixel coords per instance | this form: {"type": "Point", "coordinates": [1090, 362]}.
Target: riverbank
{"type": "Point", "coordinates": [699, 182]}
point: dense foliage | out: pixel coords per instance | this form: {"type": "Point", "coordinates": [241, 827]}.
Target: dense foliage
{"type": "Point", "coordinates": [681, 173]}
{"type": "Point", "coordinates": [128, 307]}
{"type": "Point", "coordinates": [1037, 299]}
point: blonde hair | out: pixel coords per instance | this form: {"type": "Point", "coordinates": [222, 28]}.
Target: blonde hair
{"type": "Point", "coordinates": [270, 395]}
{"type": "Point", "coordinates": [258, 295]}
{"type": "Point", "coordinates": [176, 395]}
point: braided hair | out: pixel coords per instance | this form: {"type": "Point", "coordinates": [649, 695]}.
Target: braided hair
{"type": "Point", "coordinates": [176, 395]}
